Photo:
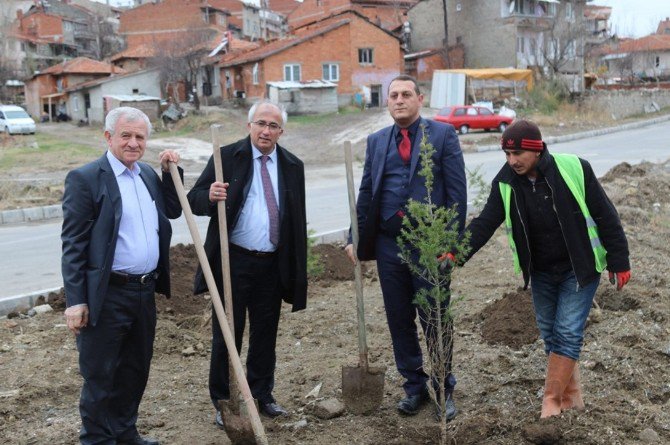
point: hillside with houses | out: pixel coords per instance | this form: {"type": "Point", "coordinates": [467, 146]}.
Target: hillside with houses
{"type": "Point", "coordinates": [75, 59]}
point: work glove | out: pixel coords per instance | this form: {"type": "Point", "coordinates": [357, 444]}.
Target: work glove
{"type": "Point", "coordinates": [447, 261]}
{"type": "Point", "coordinates": [620, 278]}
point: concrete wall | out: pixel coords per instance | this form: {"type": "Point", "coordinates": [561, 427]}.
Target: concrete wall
{"type": "Point", "coordinates": [488, 40]}
{"type": "Point", "coordinates": [147, 83]}
{"type": "Point", "coordinates": [623, 103]}
{"type": "Point", "coordinates": [306, 100]}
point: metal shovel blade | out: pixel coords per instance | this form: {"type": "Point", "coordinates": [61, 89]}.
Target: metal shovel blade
{"type": "Point", "coordinates": [236, 424]}
{"type": "Point", "coordinates": [363, 388]}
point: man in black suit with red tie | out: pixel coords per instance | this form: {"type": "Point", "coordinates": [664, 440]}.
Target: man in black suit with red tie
{"type": "Point", "coordinates": [390, 179]}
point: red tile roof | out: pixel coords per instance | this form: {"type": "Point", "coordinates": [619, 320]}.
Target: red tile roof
{"type": "Point", "coordinates": [277, 46]}
{"type": "Point", "coordinates": [141, 51]}
{"type": "Point", "coordinates": [654, 42]}
{"type": "Point", "coordinates": [82, 65]}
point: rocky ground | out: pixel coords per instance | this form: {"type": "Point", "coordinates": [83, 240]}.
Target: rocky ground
{"type": "Point", "coordinates": [499, 360]}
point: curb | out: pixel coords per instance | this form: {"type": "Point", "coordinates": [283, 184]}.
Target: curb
{"type": "Point", "coordinates": [23, 302]}
{"type": "Point", "coordinates": [590, 133]}
{"type": "Point", "coordinates": [56, 211]}
{"type": "Point", "coordinates": [31, 214]}
{"type": "Point", "coordinates": [27, 301]}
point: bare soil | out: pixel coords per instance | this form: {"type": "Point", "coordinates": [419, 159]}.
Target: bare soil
{"type": "Point", "coordinates": [499, 360]}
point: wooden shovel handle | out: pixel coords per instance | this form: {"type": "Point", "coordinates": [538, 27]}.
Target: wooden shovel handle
{"type": "Point", "coordinates": [217, 138]}
{"type": "Point", "coordinates": [360, 306]}
{"type": "Point", "coordinates": [233, 356]}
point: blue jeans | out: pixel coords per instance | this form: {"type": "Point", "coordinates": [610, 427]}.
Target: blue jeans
{"type": "Point", "coordinates": [561, 309]}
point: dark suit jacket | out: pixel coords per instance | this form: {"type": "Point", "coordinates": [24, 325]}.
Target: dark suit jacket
{"type": "Point", "coordinates": [292, 249]}
{"type": "Point", "coordinates": [91, 217]}
{"type": "Point", "coordinates": [449, 187]}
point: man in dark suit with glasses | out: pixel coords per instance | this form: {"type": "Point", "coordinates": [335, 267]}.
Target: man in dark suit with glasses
{"type": "Point", "coordinates": [267, 232]}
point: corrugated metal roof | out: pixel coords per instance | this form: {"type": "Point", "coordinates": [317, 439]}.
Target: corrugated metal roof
{"type": "Point", "coordinates": [317, 83]}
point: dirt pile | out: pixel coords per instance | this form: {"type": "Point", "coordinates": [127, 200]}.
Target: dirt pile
{"type": "Point", "coordinates": [499, 360]}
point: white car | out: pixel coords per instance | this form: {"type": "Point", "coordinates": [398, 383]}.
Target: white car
{"type": "Point", "coordinates": [15, 120]}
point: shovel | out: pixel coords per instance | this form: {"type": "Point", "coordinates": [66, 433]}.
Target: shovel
{"type": "Point", "coordinates": [233, 356]}
{"type": "Point", "coordinates": [237, 424]}
{"type": "Point", "coordinates": [362, 385]}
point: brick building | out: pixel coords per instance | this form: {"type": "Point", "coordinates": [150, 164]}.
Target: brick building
{"type": "Point", "coordinates": [48, 88]}
{"type": "Point", "coordinates": [347, 49]}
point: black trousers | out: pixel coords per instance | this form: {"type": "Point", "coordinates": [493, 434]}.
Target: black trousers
{"type": "Point", "coordinates": [399, 288]}
{"type": "Point", "coordinates": [255, 283]}
{"type": "Point", "coordinates": [114, 360]}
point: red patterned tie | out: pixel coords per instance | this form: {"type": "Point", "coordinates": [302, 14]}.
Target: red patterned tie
{"type": "Point", "coordinates": [405, 146]}
{"type": "Point", "coordinates": [273, 210]}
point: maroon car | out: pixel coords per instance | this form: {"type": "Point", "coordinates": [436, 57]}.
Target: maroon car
{"type": "Point", "coordinates": [470, 117]}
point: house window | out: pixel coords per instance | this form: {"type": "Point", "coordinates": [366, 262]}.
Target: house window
{"type": "Point", "coordinates": [657, 62]}
{"type": "Point", "coordinates": [569, 12]}
{"type": "Point", "coordinates": [520, 45]}
{"type": "Point", "coordinates": [75, 104]}
{"type": "Point", "coordinates": [292, 72]}
{"type": "Point", "coordinates": [331, 71]}
{"type": "Point", "coordinates": [365, 56]}
{"type": "Point", "coordinates": [254, 74]}
{"type": "Point", "coordinates": [533, 46]}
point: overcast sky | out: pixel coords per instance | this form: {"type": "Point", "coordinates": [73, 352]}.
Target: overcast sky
{"type": "Point", "coordinates": [630, 18]}
{"type": "Point", "coordinates": [636, 18]}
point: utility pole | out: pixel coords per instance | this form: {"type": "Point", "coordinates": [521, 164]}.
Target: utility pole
{"type": "Point", "coordinates": [445, 41]}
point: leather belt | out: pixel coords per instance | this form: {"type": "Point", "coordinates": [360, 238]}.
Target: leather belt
{"type": "Point", "coordinates": [120, 278]}
{"type": "Point", "coordinates": [255, 253]}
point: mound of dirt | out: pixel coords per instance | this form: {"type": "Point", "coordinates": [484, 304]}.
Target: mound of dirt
{"type": "Point", "coordinates": [510, 321]}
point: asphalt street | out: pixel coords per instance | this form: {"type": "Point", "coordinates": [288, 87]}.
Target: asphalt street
{"type": "Point", "coordinates": [31, 252]}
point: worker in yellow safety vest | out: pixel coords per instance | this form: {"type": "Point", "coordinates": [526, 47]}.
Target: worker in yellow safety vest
{"type": "Point", "coordinates": [563, 232]}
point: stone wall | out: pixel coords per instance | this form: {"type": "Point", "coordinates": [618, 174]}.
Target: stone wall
{"type": "Point", "coordinates": [624, 103]}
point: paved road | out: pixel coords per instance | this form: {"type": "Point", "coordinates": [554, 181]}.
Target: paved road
{"type": "Point", "coordinates": [31, 253]}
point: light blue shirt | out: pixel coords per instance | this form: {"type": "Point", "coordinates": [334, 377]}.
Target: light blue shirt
{"type": "Point", "coordinates": [252, 230]}
{"type": "Point", "coordinates": [137, 248]}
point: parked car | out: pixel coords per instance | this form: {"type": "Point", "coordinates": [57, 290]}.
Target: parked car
{"type": "Point", "coordinates": [15, 120]}
{"type": "Point", "coordinates": [468, 117]}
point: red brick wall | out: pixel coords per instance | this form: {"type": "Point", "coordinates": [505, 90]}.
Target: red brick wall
{"type": "Point", "coordinates": [43, 26]}
{"type": "Point", "coordinates": [35, 89]}
{"type": "Point", "coordinates": [338, 46]}
{"type": "Point", "coordinates": [423, 67]}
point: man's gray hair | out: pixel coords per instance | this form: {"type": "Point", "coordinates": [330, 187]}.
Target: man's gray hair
{"type": "Point", "coordinates": [280, 107]}
{"type": "Point", "coordinates": [130, 114]}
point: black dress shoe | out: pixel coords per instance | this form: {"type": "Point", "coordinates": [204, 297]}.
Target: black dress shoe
{"type": "Point", "coordinates": [219, 420]}
{"type": "Point", "coordinates": [410, 405]}
{"type": "Point", "coordinates": [272, 409]}
{"type": "Point", "coordinates": [139, 440]}
{"type": "Point", "coordinates": [450, 409]}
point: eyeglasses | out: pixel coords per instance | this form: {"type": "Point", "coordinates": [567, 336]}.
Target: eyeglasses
{"type": "Point", "coordinates": [271, 125]}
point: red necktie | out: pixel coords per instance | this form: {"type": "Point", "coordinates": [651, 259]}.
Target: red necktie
{"type": "Point", "coordinates": [405, 146]}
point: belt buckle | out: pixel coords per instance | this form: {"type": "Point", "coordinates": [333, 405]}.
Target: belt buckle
{"type": "Point", "coordinates": [144, 279]}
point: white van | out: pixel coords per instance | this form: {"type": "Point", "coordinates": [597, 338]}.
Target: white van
{"type": "Point", "coordinates": [15, 120]}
